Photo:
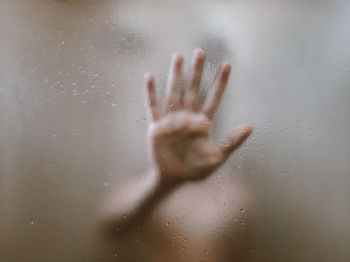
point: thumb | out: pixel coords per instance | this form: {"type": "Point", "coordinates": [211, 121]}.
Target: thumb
{"type": "Point", "coordinates": [235, 139]}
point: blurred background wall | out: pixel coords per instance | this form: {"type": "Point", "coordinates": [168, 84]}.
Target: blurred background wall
{"type": "Point", "coordinates": [73, 120]}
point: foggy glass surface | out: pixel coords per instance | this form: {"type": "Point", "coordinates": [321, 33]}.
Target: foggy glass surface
{"type": "Point", "coordinates": [73, 126]}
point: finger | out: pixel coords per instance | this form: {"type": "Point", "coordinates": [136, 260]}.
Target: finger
{"type": "Point", "coordinates": [152, 96]}
{"type": "Point", "coordinates": [213, 99]}
{"type": "Point", "coordinates": [193, 85]}
{"type": "Point", "coordinates": [235, 139]}
{"type": "Point", "coordinates": [174, 87]}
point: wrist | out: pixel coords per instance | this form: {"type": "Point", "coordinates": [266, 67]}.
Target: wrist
{"type": "Point", "coordinates": [163, 181]}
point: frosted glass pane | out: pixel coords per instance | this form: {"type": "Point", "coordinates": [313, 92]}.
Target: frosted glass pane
{"type": "Point", "coordinates": [73, 129]}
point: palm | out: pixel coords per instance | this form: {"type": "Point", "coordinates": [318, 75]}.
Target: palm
{"type": "Point", "coordinates": [181, 149]}
{"type": "Point", "coordinates": [181, 146]}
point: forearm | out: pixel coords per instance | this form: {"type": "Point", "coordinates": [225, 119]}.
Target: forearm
{"type": "Point", "coordinates": [123, 218]}
{"type": "Point", "coordinates": [180, 146]}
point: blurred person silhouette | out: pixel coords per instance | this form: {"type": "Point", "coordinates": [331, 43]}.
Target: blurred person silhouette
{"type": "Point", "coordinates": [182, 152]}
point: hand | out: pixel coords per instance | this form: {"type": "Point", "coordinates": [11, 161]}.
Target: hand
{"type": "Point", "coordinates": [179, 128]}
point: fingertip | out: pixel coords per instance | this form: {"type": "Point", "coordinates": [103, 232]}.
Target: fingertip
{"type": "Point", "coordinates": [244, 130]}
{"type": "Point", "coordinates": [149, 79]}
{"type": "Point", "coordinates": [226, 67]}
{"type": "Point", "coordinates": [198, 58]}
{"type": "Point", "coordinates": [148, 76]}
{"type": "Point", "coordinates": [241, 132]}
{"type": "Point", "coordinates": [177, 58]}
{"type": "Point", "coordinates": [248, 129]}
{"type": "Point", "coordinates": [177, 61]}
{"type": "Point", "coordinates": [199, 53]}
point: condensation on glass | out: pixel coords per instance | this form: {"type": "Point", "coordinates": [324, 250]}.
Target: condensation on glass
{"type": "Point", "coordinates": [73, 126]}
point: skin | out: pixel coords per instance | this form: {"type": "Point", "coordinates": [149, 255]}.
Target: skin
{"type": "Point", "coordinates": [179, 129]}
{"type": "Point", "coordinates": [181, 151]}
